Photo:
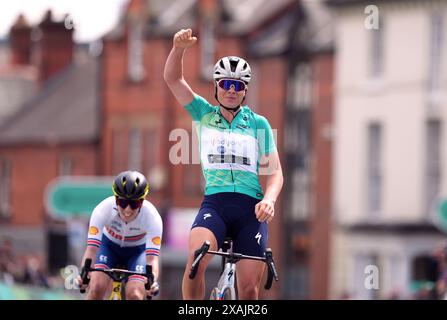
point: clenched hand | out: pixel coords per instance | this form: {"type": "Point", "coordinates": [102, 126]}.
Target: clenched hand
{"type": "Point", "coordinates": [265, 210]}
{"type": "Point", "coordinates": [183, 39]}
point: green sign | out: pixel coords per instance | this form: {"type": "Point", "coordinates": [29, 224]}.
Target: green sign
{"type": "Point", "coordinates": [442, 214]}
{"type": "Point", "coordinates": [76, 196]}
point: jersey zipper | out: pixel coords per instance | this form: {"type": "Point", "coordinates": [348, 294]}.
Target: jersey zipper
{"type": "Point", "coordinates": [124, 233]}
{"type": "Point", "coordinates": [231, 164]}
{"type": "Point", "coordinates": [230, 125]}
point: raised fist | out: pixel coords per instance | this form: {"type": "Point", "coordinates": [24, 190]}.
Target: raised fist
{"type": "Point", "coordinates": [183, 39]}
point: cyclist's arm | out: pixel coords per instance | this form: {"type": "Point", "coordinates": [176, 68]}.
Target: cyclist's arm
{"type": "Point", "coordinates": [154, 238]}
{"type": "Point", "coordinates": [275, 178]}
{"type": "Point", "coordinates": [98, 220]}
{"type": "Point", "coordinates": [271, 164]}
{"type": "Point", "coordinates": [153, 261]}
{"type": "Point", "coordinates": [90, 253]}
{"type": "Point", "coordinates": [173, 72]}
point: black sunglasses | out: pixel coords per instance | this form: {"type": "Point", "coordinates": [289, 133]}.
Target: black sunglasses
{"type": "Point", "coordinates": [134, 204]}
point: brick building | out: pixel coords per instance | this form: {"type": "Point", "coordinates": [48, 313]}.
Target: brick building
{"type": "Point", "coordinates": [49, 132]}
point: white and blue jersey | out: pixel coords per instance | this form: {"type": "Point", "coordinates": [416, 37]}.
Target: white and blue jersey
{"type": "Point", "coordinates": [122, 243]}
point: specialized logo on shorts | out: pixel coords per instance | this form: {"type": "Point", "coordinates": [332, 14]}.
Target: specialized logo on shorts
{"type": "Point", "coordinates": [206, 215]}
{"type": "Point", "coordinates": [93, 231]}
{"type": "Point", "coordinates": [156, 240]}
{"type": "Point", "coordinates": [258, 237]}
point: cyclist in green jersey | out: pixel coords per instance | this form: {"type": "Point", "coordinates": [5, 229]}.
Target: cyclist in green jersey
{"type": "Point", "coordinates": [233, 142]}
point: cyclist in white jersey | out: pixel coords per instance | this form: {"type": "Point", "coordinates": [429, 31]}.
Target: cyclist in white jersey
{"type": "Point", "coordinates": [233, 140]}
{"type": "Point", "coordinates": [125, 230]}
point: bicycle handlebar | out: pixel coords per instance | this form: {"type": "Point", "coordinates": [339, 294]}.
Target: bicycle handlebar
{"type": "Point", "coordinates": [116, 275]}
{"type": "Point", "coordinates": [234, 257]}
{"type": "Point", "coordinates": [84, 273]}
{"type": "Point", "coordinates": [272, 273]}
{"type": "Point", "coordinates": [198, 255]}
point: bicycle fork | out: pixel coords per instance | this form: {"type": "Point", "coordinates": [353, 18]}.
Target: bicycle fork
{"type": "Point", "coordinates": [226, 284]}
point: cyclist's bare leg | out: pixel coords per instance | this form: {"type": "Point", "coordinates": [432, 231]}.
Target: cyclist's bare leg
{"type": "Point", "coordinates": [99, 283]}
{"type": "Point", "coordinates": [249, 276]}
{"type": "Point", "coordinates": [135, 290]}
{"type": "Point", "coordinates": [195, 288]}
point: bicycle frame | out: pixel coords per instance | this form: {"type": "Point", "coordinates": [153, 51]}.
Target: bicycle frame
{"type": "Point", "coordinates": [117, 290]}
{"type": "Point", "coordinates": [226, 282]}
{"type": "Point", "coordinates": [229, 259]}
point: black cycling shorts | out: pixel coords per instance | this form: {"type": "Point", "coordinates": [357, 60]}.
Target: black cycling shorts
{"type": "Point", "coordinates": [231, 214]}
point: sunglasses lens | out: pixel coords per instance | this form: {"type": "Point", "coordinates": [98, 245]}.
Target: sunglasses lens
{"type": "Point", "coordinates": [134, 204]}
{"type": "Point", "coordinates": [123, 203]}
{"type": "Point", "coordinates": [227, 84]}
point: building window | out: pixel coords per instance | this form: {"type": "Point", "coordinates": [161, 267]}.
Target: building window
{"type": "Point", "coordinates": [153, 167]}
{"type": "Point", "coordinates": [300, 205]}
{"type": "Point", "coordinates": [5, 188]}
{"type": "Point", "coordinates": [136, 52]}
{"type": "Point", "coordinates": [135, 159]}
{"type": "Point", "coordinates": [433, 163]}
{"type": "Point", "coordinates": [297, 143]}
{"type": "Point", "coordinates": [119, 150]}
{"type": "Point", "coordinates": [65, 166]}
{"type": "Point", "coordinates": [207, 51]}
{"type": "Point", "coordinates": [436, 43]}
{"type": "Point", "coordinates": [376, 51]}
{"type": "Point", "coordinates": [374, 160]}
{"type": "Point", "coordinates": [424, 271]}
{"type": "Point", "coordinates": [152, 147]}
{"type": "Point", "coordinates": [302, 87]}
{"type": "Point", "coordinates": [252, 97]}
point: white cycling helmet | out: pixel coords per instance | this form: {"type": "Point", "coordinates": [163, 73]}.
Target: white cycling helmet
{"type": "Point", "coordinates": [232, 67]}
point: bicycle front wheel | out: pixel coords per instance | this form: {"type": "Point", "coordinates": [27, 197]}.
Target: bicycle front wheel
{"type": "Point", "coordinates": [229, 293]}
{"type": "Point", "coordinates": [215, 294]}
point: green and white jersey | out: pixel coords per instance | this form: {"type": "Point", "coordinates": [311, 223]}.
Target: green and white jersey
{"type": "Point", "coordinates": [230, 153]}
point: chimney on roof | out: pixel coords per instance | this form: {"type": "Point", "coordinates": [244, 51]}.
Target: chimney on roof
{"type": "Point", "coordinates": [20, 42]}
{"type": "Point", "coordinates": [137, 12]}
{"type": "Point", "coordinates": [137, 8]}
{"type": "Point", "coordinates": [54, 46]}
{"type": "Point", "coordinates": [209, 9]}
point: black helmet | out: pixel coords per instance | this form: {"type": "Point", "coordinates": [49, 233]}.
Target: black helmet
{"type": "Point", "coordinates": [130, 185]}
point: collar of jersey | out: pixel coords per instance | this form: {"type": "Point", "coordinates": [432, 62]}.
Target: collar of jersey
{"type": "Point", "coordinates": [243, 109]}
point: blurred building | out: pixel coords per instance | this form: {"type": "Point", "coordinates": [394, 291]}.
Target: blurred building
{"type": "Point", "coordinates": [101, 114]}
{"type": "Point", "coordinates": [50, 128]}
{"type": "Point", "coordinates": [308, 149]}
{"type": "Point", "coordinates": [17, 75]}
{"type": "Point", "coordinates": [390, 137]}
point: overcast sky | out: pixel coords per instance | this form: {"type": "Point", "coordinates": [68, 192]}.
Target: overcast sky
{"type": "Point", "coordinates": [92, 18]}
